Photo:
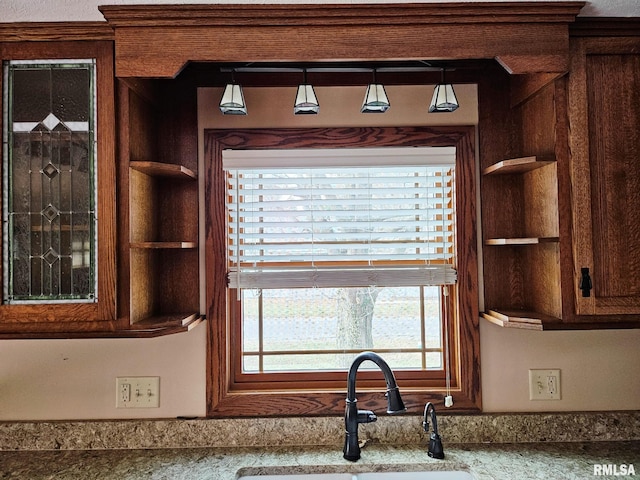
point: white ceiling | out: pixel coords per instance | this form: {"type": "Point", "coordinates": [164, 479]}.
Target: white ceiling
{"type": "Point", "coordinates": [87, 10]}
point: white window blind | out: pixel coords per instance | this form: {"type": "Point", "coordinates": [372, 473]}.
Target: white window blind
{"type": "Point", "coordinates": [340, 217]}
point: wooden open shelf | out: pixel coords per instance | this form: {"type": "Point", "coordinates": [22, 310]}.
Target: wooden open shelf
{"type": "Point", "coordinates": [517, 165]}
{"type": "Point", "coordinates": [520, 241]}
{"type": "Point", "coordinates": [521, 238]}
{"type": "Point", "coordinates": [523, 319]}
{"type": "Point", "coordinates": [176, 320]}
{"type": "Point", "coordinates": [159, 169]}
{"type": "Point", "coordinates": [164, 283]}
{"type": "Point", "coordinates": [163, 257]}
{"type": "Point", "coordinates": [165, 245]}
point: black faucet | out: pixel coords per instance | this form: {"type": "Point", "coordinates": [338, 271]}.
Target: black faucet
{"type": "Point", "coordinates": [435, 443]}
{"type": "Point", "coordinates": [353, 416]}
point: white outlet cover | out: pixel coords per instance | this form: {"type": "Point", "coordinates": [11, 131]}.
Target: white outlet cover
{"type": "Point", "coordinates": [143, 392]}
{"type": "Point", "coordinates": [544, 384]}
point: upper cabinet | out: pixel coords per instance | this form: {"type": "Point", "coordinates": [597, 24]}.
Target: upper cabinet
{"type": "Point", "coordinates": [522, 243]}
{"type": "Point", "coordinates": [519, 154]}
{"type": "Point", "coordinates": [561, 187]}
{"type": "Point", "coordinates": [59, 207]}
{"type": "Point", "coordinates": [159, 200]}
{"type": "Point", "coordinates": [100, 239]}
{"type": "Point", "coordinates": [604, 113]}
{"type": "Point", "coordinates": [102, 189]}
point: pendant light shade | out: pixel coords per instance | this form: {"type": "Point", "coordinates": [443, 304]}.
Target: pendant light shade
{"type": "Point", "coordinates": [306, 101]}
{"type": "Point", "coordinates": [375, 99]}
{"type": "Point", "coordinates": [232, 102]}
{"type": "Point", "coordinates": [444, 98]}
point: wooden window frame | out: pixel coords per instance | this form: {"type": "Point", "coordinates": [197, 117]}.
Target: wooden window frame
{"type": "Point", "coordinates": [226, 398]}
{"type": "Point", "coordinates": [334, 380]}
{"type": "Point", "coordinates": [100, 314]}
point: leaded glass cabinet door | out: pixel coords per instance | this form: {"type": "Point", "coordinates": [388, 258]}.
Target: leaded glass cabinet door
{"type": "Point", "coordinates": [49, 182]}
{"type": "Point", "coordinates": [58, 187]}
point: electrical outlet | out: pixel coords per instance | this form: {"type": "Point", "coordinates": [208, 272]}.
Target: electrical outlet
{"type": "Point", "coordinates": [124, 390]}
{"type": "Point", "coordinates": [138, 392]}
{"type": "Point", "coordinates": [544, 384]}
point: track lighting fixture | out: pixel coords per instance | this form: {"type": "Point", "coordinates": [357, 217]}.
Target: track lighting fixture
{"type": "Point", "coordinates": [444, 98]}
{"type": "Point", "coordinates": [375, 99]}
{"type": "Point", "coordinates": [306, 101]}
{"type": "Point", "coordinates": [232, 102]}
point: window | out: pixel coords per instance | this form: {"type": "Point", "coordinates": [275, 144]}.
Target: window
{"type": "Point", "coordinates": [337, 251]}
{"type": "Point", "coordinates": [322, 253]}
{"type": "Point", "coordinates": [49, 179]}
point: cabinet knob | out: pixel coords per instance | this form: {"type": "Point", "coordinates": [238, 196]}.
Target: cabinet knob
{"type": "Point", "coordinates": [585, 282]}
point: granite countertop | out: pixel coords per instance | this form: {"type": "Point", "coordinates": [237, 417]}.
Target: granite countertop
{"type": "Point", "coordinates": [562, 446]}
{"type": "Point", "coordinates": [506, 461]}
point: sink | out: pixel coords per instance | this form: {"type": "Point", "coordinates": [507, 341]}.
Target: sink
{"type": "Point", "coordinates": [429, 475]}
{"type": "Point", "coordinates": [423, 475]}
{"type": "Point", "coordinates": [303, 476]}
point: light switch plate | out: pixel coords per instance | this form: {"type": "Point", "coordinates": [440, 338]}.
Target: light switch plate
{"type": "Point", "coordinates": [544, 384]}
{"type": "Point", "coordinates": [137, 392]}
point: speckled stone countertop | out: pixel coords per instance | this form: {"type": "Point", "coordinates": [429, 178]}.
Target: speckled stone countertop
{"type": "Point", "coordinates": [561, 461]}
{"type": "Point", "coordinates": [562, 446]}
{"type": "Point", "coordinates": [327, 431]}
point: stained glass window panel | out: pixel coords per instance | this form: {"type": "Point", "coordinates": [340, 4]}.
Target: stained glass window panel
{"type": "Point", "coordinates": [49, 181]}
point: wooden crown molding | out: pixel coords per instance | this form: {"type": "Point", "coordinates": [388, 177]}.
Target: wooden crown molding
{"type": "Point", "coordinates": [348, 14]}
{"type": "Point", "coordinates": [55, 31]}
{"type": "Point", "coordinates": [159, 40]}
{"type": "Point", "coordinates": [605, 27]}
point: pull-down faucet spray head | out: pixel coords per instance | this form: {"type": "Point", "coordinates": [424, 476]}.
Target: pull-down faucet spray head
{"type": "Point", "coordinates": [394, 401]}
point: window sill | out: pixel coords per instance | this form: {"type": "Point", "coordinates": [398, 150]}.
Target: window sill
{"type": "Point", "coordinates": [299, 403]}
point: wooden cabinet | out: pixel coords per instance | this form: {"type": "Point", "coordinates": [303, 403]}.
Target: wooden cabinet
{"type": "Point", "coordinates": [520, 212]}
{"type": "Point", "coordinates": [523, 250]}
{"type": "Point", "coordinates": [61, 147]}
{"type": "Point", "coordinates": [146, 199]}
{"type": "Point", "coordinates": [161, 230]}
{"type": "Point", "coordinates": [604, 114]}
{"type": "Point", "coordinates": [561, 188]}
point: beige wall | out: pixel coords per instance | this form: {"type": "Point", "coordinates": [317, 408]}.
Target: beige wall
{"type": "Point", "coordinates": [600, 370]}
{"type": "Point", "coordinates": [75, 379]}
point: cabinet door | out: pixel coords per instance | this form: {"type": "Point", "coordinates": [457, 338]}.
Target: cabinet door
{"type": "Point", "coordinates": [59, 261]}
{"type": "Point", "coordinates": [605, 173]}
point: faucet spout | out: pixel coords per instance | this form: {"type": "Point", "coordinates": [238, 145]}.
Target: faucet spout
{"type": "Point", "coordinates": [435, 442]}
{"type": "Point", "coordinates": [353, 417]}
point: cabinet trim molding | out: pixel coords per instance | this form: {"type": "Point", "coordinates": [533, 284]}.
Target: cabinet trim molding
{"type": "Point", "coordinates": [55, 31]}
{"type": "Point", "coordinates": [525, 37]}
